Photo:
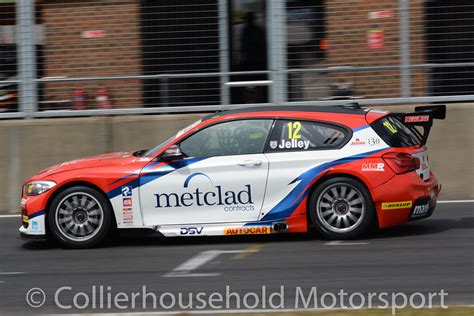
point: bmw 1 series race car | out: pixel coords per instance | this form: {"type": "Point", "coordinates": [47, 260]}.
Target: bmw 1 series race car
{"type": "Point", "coordinates": [260, 170]}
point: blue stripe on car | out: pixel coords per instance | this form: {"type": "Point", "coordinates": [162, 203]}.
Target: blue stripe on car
{"type": "Point", "coordinates": [289, 204]}
{"type": "Point", "coordinates": [149, 176]}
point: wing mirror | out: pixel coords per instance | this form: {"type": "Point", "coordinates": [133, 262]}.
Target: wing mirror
{"type": "Point", "coordinates": [172, 153]}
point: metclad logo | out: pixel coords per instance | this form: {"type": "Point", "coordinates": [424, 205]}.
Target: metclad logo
{"type": "Point", "coordinates": [217, 196]}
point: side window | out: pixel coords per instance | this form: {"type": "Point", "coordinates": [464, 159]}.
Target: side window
{"type": "Point", "coordinates": [296, 135]}
{"type": "Point", "coordinates": [241, 137]}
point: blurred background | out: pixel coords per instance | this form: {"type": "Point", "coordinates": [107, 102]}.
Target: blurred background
{"type": "Point", "coordinates": [69, 68]}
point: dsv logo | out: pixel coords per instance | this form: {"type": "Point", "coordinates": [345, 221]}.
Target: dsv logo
{"type": "Point", "coordinates": [191, 230]}
{"type": "Point", "coordinates": [197, 197]}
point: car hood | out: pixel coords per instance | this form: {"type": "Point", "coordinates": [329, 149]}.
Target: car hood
{"type": "Point", "coordinates": [116, 158]}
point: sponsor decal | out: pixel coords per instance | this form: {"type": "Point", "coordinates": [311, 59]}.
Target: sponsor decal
{"type": "Point", "coordinates": [373, 167]}
{"type": "Point", "coordinates": [191, 230]}
{"type": "Point", "coordinates": [34, 226]}
{"type": "Point", "coordinates": [127, 215]}
{"type": "Point", "coordinates": [251, 230]}
{"type": "Point", "coordinates": [229, 200]}
{"type": "Point", "coordinates": [188, 128]}
{"type": "Point", "coordinates": [127, 191]}
{"type": "Point", "coordinates": [357, 142]}
{"type": "Point", "coordinates": [127, 202]}
{"type": "Point", "coordinates": [273, 144]}
{"type": "Point", "coordinates": [396, 205]}
{"type": "Point", "coordinates": [417, 118]}
{"type": "Point", "coordinates": [421, 210]}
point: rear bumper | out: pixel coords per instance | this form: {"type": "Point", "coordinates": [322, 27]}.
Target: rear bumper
{"type": "Point", "coordinates": [405, 198]}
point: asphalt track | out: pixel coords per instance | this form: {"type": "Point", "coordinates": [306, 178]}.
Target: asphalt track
{"type": "Point", "coordinates": [423, 256]}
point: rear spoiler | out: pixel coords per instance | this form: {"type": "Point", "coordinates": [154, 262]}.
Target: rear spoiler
{"type": "Point", "coordinates": [423, 117]}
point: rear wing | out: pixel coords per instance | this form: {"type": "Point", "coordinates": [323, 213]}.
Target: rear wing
{"type": "Point", "coordinates": [422, 117]}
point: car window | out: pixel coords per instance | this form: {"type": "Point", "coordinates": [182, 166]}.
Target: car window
{"type": "Point", "coordinates": [156, 149]}
{"type": "Point", "coordinates": [230, 138]}
{"type": "Point", "coordinates": [395, 133]}
{"type": "Point", "coordinates": [296, 135]}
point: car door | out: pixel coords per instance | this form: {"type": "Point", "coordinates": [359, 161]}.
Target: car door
{"type": "Point", "coordinates": [297, 152]}
{"type": "Point", "coordinates": [222, 179]}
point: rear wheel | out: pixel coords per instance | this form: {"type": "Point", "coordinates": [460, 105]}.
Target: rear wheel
{"type": "Point", "coordinates": [79, 217]}
{"type": "Point", "coordinates": [341, 208]}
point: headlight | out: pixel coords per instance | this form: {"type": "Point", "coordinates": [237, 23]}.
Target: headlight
{"type": "Point", "coordinates": [38, 187]}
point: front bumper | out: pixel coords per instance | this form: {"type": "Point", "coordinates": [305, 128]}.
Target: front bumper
{"type": "Point", "coordinates": [405, 198]}
{"type": "Point", "coordinates": [36, 226]}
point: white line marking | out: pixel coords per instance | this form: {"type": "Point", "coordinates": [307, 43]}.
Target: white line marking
{"type": "Point", "coordinates": [344, 243]}
{"type": "Point", "coordinates": [184, 269]}
{"type": "Point", "coordinates": [9, 216]}
{"type": "Point", "coordinates": [188, 275]}
{"type": "Point", "coordinates": [11, 273]}
{"type": "Point", "coordinates": [457, 201]}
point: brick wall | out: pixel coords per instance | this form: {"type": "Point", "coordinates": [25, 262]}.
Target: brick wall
{"type": "Point", "coordinates": [116, 54]}
{"type": "Point", "coordinates": [348, 23]}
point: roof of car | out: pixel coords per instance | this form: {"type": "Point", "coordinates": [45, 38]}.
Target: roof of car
{"type": "Point", "coordinates": [351, 108]}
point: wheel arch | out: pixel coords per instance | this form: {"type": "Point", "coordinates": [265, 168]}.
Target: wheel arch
{"type": "Point", "coordinates": [335, 175]}
{"type": "Point", "coordinates": [77, 183]}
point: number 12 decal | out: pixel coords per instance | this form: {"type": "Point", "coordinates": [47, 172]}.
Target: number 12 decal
{"type": "Point", "coordinates": [294, 130]}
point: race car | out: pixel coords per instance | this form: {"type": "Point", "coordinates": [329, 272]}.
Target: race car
{"type": "Point", "coordinates": [335, 170]}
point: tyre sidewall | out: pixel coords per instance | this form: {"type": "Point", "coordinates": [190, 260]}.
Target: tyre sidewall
{"type": "Point", "coordinates": [368, 215]}
{"type": "Point", "coordinates": [94, 241]}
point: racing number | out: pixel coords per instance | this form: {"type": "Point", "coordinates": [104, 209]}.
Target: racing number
{"type": "Point", "coordinates": [294, 130]}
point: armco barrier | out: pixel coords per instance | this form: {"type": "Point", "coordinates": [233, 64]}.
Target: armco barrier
{"type": "Point", "coordinates": [27, 146]}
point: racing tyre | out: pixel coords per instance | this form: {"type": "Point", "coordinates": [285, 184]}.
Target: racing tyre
{"type": "Point", "coordinates": [341, 208]}
{"type": "Point", "coordinates": [79, 217]}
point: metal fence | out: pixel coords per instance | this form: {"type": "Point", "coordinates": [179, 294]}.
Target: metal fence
{"type": "Point", "coordinates": [96, 57]}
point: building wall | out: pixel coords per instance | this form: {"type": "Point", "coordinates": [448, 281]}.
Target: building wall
{"type": "Point", "coordinates": [116, 54]}
{"type": "Point", "coordinates": [347, 25]}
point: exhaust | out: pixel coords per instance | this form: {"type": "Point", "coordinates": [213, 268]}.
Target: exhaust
{"type": "Point", "coordinates": [280, 227]}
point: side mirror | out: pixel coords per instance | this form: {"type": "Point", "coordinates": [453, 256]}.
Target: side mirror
{"type": "Point", "coordinates": [172, 153]}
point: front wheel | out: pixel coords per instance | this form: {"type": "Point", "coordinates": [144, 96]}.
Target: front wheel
{"type": "Point", "coordinates": [79, 217]}
{"type": "Point", "coordinates": [341, 208]}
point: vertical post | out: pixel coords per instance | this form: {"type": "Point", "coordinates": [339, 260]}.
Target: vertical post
{"type": "Point", "coordinates": [26, 56]}
{"type": "Point", "coordinates": [405, 71]}
{"type": "Point", "coordinates": [277, 50]}
{"type": "Point", "coordinates": [224, 51]}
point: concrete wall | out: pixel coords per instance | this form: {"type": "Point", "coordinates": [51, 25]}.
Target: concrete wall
{"type": "Point", "coordinates": [26, 147]}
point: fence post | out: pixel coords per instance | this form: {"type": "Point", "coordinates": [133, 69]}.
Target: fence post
{"type": "Point", "coordinates": [277, 50]}
{"type": "Point", "coordinates": [26, 57]}
{"type": "Point", "coordinates": [224, 51]}
{"type": "Point", "coordinates": [405, 71]}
